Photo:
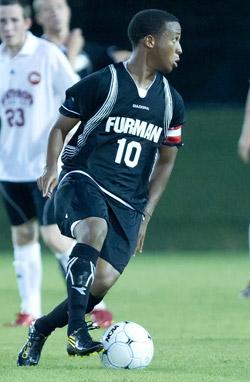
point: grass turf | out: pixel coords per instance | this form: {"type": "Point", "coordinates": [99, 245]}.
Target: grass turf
{"type": "Point", "coordinates": [187, 301]}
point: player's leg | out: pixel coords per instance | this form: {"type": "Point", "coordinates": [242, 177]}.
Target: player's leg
{"type": "Point", "coordinates": [114, 243]}
{"type": "Point", "coordinates": [90, 234]}
{"type": "Point", "coordinates": [117, 250]}
{"type": "Point", "coordinates": [20, 208]}
{"type": "Point", "coordinates": [245, 293]}
{"type": "Point", "coordinates": [28, 268]}
{"type": "Point", "coordinates": [92, 231]}
{"type": "Point", "coordinates": [105, 277]}
{"type": "Point", "coordinates": [62, 246]}
{"type": "Point", "coordinates": [81, 212]}
{"type": "Point", "coordinates": [39, 331]}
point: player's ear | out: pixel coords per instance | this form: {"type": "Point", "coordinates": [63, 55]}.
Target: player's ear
{"type": "Point", "coordinates": [149, 41]}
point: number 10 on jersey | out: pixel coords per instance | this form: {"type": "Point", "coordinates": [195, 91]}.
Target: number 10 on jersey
{"type": "Point", "coordinates": [129, 153]}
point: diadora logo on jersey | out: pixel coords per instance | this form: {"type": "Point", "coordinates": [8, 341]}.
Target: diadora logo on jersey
{"type": "Point", "coordinates": [34, 78]}
{"type": "Point", "coordinates": [132, 126]}
{"type": "Point", "coordinates": [12, 95]}
{"type": "Point", "coordinates": [135, 106]}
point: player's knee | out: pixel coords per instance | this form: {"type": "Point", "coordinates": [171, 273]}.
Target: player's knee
{"type": "Point", "coordinates": [54, 240]}
{"type": "Point", "coordinates": [50, 237]}
{"type": "Point", "coordinates": [91, 231]}
{"type": "Point", "coordinates": [24, 234]}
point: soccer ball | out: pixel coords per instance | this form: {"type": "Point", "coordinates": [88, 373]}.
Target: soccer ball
{"type": "Point", "coordinates": [127, 345]}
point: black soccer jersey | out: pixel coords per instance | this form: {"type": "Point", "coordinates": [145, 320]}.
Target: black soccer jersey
{"type": "Point", "coordinates": [121, 130]}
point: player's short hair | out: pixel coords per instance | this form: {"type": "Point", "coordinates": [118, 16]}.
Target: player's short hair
{"type": "Point", "coordinates": [148, 22]}
{"type": "Point", "coordinates": [27, 12]}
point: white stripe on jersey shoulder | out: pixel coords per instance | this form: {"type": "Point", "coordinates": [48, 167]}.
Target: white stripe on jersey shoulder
{"type": "Point", "coordinates": [98, 185]}
{"type": "Point", "coordinates": [168, 106]}
{"type": "Point", "coordinates": [71, 111]}
{"type": "Point", "coordinates": [101, 113]}
{"type": "Point", "coordinates": [104, 110]}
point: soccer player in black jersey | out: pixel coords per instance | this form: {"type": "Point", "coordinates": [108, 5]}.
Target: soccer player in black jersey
{"type": "Point", "coordinates": [115, 169]}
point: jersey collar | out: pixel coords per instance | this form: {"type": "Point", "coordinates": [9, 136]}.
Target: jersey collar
{"type": "Point", "coordinates": [28, 48]}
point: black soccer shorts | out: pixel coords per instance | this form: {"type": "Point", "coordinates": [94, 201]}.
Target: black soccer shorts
{"type": "Point", "coordinates": [23, 201]}
{"type": "Point", "coordinates": [78, 197]}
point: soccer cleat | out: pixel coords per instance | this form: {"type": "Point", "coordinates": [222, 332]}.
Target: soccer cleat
{"type": "Point", "coordinates": [101, 317]}
{"type": "Point", "coordinates": [91, 325]}
{"type": "Point", "coordinates": [81, 344]}
{"type": "Point", "coordinates": [22, 319]}
{"type": "Point", "coordinates": [30, 353]}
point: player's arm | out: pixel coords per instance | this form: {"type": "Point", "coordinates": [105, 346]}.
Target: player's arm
{"type": "Point", "coordinates": [71, 112]}
{"type": "Point", "coordinates": [244, 140]}
{"type": "Point", "coordinates": [165, 163]}
{"type": "Point", "coordinates": [158, 182]}
{"type": "Point", "coordinates": [48, 181]}
{"type": "Point", "coordinates": [78, 106]}
{"type": "Point", "coordinates": [75, 43]}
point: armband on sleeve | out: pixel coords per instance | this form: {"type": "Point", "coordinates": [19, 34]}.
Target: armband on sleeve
{"type": "Point", "coordinates": [173, 137]}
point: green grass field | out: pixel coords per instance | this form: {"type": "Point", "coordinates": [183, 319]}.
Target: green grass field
{"type": "Point", "coordinates": [187, 301]}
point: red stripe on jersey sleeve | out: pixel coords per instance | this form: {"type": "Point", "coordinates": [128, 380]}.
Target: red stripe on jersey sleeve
{"type": "Point", "coordinates": [173, 139]}
{"type": "Point", "coordinates": [174, 135]}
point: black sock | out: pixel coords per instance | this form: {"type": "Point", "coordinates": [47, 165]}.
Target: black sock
{"type": "Point", "coordinates": [57, 318]}
{"type": "Point", "coordinates": [80, 275]}
{"type": "Point", "coordinates": [92, 302]}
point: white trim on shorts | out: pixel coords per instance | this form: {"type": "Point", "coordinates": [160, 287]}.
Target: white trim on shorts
{"type": "Point", "coordinates": [72, 227]}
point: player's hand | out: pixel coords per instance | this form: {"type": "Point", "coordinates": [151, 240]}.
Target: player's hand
{"type": "Point", "coordinates": [75, 44]}
{"type": "Point", "coordinates": [47, 182]}
{"type": "Point", "coordinates": [142, 235]}
{"type": "Point", "coordinates": [243, 149]}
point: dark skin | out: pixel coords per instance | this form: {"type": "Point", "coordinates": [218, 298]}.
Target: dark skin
{"type": "Point", "coordinates": [152, 54]}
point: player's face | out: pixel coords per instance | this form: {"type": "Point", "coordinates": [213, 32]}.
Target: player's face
{"type": "Point", "coordinates": [54, 15]}
{"type": "Point", "coordinates": [13, 25]}
{"type": "Point", "coordinates": [167, 49]}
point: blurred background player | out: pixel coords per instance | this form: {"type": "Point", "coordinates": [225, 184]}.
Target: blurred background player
{"type": "Point", "coordinates": [243, 150]}
{"type": "Point", "coordinates": [34, 75]}
{"type": "Point", "coordinates": [54, 18]}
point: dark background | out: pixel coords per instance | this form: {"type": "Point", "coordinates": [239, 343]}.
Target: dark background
{"type": "Point", "coordinates": [216, 46]}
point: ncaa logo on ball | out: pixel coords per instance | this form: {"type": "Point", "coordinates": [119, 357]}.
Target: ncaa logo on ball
{"type": "Point", "coordinates": [111, 332]}
{"type": "Point", "coordinates": [34, 78]}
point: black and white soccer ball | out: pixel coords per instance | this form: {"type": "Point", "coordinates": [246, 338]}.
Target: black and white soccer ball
{"type": "Point", "coordinates": [127, 345]}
